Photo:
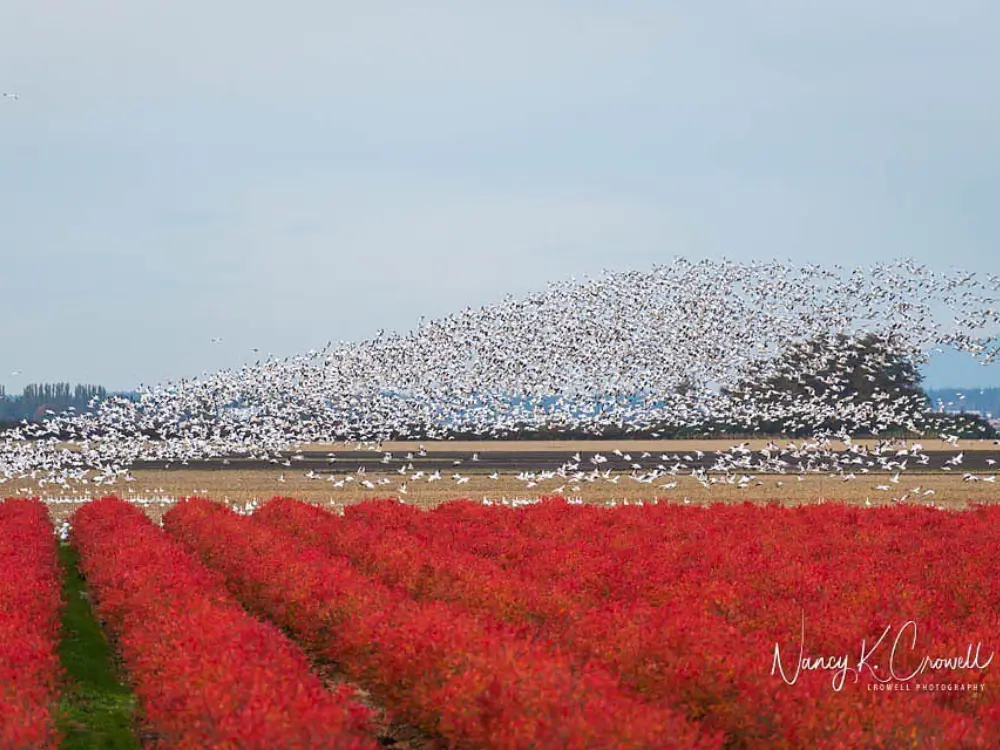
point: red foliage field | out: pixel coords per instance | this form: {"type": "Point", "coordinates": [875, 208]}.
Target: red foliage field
{"type": "Point", "coordinates": [549, 626]}
{"type": "Point", "coordinates": [687, 606]}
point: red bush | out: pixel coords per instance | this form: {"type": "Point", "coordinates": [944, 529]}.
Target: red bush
{"type": "Point", "coordinates": [30, 605]}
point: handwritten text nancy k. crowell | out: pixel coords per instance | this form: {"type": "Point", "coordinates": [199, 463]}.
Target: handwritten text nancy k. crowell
{"type": "Point", "coordinates": [871, 659]}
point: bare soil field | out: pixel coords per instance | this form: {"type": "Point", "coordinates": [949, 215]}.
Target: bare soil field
{"type": "Point", "coordinates": [606, 446]}
{"type": "Point", "coordinates": [240, 487]}
{"type": "Point", "coordinates": [157, 488]}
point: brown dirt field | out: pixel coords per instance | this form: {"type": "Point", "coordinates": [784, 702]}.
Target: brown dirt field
{"type": "Point", "coordinates": [606, 446]}
{"type": "Point", "coordinates": [239, 487]}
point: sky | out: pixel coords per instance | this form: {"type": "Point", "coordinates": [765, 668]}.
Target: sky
{"type": "Point", "coordinates": [285, 174]}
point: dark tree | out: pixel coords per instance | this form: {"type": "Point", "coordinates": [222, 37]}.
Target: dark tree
{"type": "Point", "coordinates": [836, 382]}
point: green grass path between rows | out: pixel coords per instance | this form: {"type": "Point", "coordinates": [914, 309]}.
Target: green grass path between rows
{"type": "Point", "coordinates": [96, 710]}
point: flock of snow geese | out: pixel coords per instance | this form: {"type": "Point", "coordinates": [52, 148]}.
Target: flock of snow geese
{"type": "Point", "coordinates": [627, 349]}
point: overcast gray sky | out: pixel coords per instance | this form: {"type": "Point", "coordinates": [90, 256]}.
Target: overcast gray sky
{"type": "Point", "coordinates": [285, 173]}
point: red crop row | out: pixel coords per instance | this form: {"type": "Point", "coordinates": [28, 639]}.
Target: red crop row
{"type": "Point", "coordinates": [730, 584]}
{"type": "Point", "coordinates": [476, 684]}
{"type": "Point", "coordinates": [587, 552]}
{"type": "Point", "coordinates": [398, 557]}
{"type": "Point", "coordinates": [30, 604]}
{"type": "Point", "coordinates": [206, 673]}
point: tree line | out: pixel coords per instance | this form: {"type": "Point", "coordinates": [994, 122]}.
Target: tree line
{"type": "Point", "coordinates": [38, 398]}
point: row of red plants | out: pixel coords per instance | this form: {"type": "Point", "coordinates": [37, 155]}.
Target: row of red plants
{"type": "Point", "coordinates": [30, 608]}
{"type": "Point", "coordinates": [206, 673]}
{"type": "Point", "coordinates": [687, 605]}
{"type": "Point", "coordinates": [475, 683]}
